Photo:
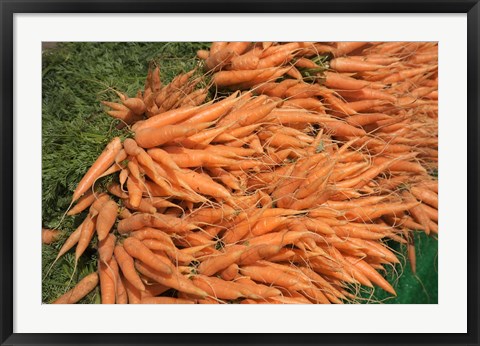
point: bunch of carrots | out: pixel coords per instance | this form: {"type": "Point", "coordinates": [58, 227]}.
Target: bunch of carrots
{"type": "Point", "coordinates": [283, 191]}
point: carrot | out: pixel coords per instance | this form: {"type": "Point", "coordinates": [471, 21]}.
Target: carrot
{"type": "Point", "coordinates": [238, 47]}
{"type": "Point", "coordinates": [171, 251]}
{"type": "Point", "coordinates": [170, 117]}
{"type": "Point", "coordinates": [153, 233]}
{"type": "Point", "coordinates": [315, 295]}
{"type": "Point", "coordinates": [106, 218]}
{"type": "Point", "coordinates": [105, 248]}
{"type": "Point", "coordinates": [317, 226]}
{"type": "Point", "coordinates": [372, 274]}
{"type": "Point", "coordinates": [343, 82]}
{"type": "Point", "coordinates": [202, 54]}
{"type": "Point", "coordinates": [126, 263]}
{"type": "Point", "coordinates": [83, 203]}
{"type": "Point", "coordinates": [247, 61]}
{"type": "Point", "coordinates": [245, 117]}
{"type": "Point", "coordinates": [367, 93]}
{"type": "Point", "coordinates": [227, 178]}
{"type": "Point", "coordinates": [280, 58]}
{"type": "Point", "coordinates": [407, 73]}
{"type": "Point", "coordinates": [273, 276]}
{"type": "Point", "coordinates": [343, 48]}
{"type": "Point", "coordinates": [216, 110]}
{"type": "Point", "coordinates": [375, 211]}
{"type": "Point", "coordinates": [165, 300]}
{"type": "Point", "coordinates": [84, 287]}
{"type": "Point", "coordinates": [107, 283]}
{"type": "Point", "coordinates": [202, 183]}
{"type": "Point", "coordinates": [256, 253]}
{"type": "Point", "coordinates": [153, 289]}
{"type": "Point", "coordinates": [216, 61]}
{"type": "Point", "coordinates": [134, 191]}
{"type": "Point", "coordinates": [50, 235]}
{"type": "Point", "coordinates": [114, 105]}
{"type": "Point", "coordinates": [239, 230]}
{"type": "Point", "coordinates": [432, 213]}
{"type": "Point", "coordinates": [352, 65]}
{"type": "Point", "coordinates": [229, 273]}
{"type": "Point", "coordinates": [144, 207]}
{"type": "Point", "coordinates": [226, 78]}
{"type": "Point", "coordinates": [375, 249]}
{"type": "Point", "coordinates": [134, 295]}
{"type": "Point", "coordinates": [363, 178]}
{"type": "Point", "coordinates": [136, 249]}
{"type": "Point", "coordinates": [211, 215]}
{"type": "Point", "coordinates": [88, 229]}
{"type": "Point", "coordinates": [120, 292]}
{"type": "Point", "coordinates": [218, 288]}
{"type": "Point", "coordinates": [69, 243]}
{"type": "Point", "coordinates": [136, 105]}
{"type": "Point", "coordinates": [426, 196]}
{"type": "Point", "coordinates": [162, 221]}
{"type": "Point", "coordinates": [418, 212]}
{"type": "Point", "coordinates": [268, 224]}
{"type": "Point", "coordinates": [217, 263]}
{"type": "Point", "coordinates": [250, 288]}
{"type": "Point", "coordinates": [105, 160]}
{"type": "Point", "coordinates": [327, 288]}
{"type": "Point", "coordinates": [216, 46]}
{"type": "Point", "coordinates": [308, 103]}
{"type": "Point", "coordinates": [176, 280]}
{"type": "Point", "coordinates": [152, 137]}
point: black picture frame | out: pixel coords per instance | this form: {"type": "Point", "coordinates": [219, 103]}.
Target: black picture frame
{"type": "Point", "coordinates": [10, 7]}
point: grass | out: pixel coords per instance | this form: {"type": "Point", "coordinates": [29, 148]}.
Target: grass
{"type": "Point", "coordinates": [75, 129]}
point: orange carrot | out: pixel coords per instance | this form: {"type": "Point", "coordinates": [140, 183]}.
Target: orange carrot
{"type": "Point", "coordinates": [106, 218]}
{"type": "Point", "coordinates": [136, 249]}
{"type": "Point", "coordinates": [84, 287]}
{"type": "Point", "coordinates": [134, 295]}
{"type": "Point", "coordinates": [176, 280]}
{"type": "Point", "coordinates": [105, 248]}
{"type": "Point", "coordinates": [203, 184]}
{"type": "Point", "coordinates": [165, 300]}
{"type": "Point", "coordinates": [216, 263]}
{"type": "Point", "coordinates": [352, 65]}
{"type": "Point", "coordinates": [226, 78]}
{"type": "Point", "coordinates": [170, 117]}
{"type": "Point", "coordinates": [136, 105]}
{"type": "Point", "coordinates": [126, 263]}
{"type": "Point", "coordinates": [216, 61]}
{"type": "Point", "coordinates": [273, 276]}
{"type": "Point", "coordinates": [427, 196]}
{"type": "Point", "coordinates": [69, 243]}
{"type": "Point", "coordinates": [256, 253]}
{"type": "Point", "coordinates": [88, 229]}
{"type": "Point", "coordinates": [343, 48]}
{"type": "Point", "coordinates": [372, 274]}
{"type": "Point", "coordinates": [152, 137]}
{"type": "Point", "coordinates": [50, 235]}
{"type": "Point", "coordinates": [83, 203]}
{"type": "Point", "coordinates": [105, 160]}
{"type": "Point", "coordinates": [229, 273]}
{"type": "Point", "coordinates": [107, 283]}
{"type": "Point", "coordinates": [248, 61]}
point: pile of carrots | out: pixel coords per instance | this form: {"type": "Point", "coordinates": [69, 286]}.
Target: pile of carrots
{"type": "Point", "coordinates": [284, 190]}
